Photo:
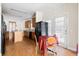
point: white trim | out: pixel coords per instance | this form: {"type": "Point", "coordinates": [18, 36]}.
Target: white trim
{"type": "Point", "coordinates": [70, 48]}
{"type": "Point", "coordinates": [73, 49]}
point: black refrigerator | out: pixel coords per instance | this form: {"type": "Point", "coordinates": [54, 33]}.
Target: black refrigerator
{"type": "Point", "coordinates": [41, 29]}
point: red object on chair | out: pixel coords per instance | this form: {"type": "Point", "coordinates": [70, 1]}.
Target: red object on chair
{"type": "Point", "coordinates": [42, 45]}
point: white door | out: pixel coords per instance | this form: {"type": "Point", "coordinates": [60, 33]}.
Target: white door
{"type": "Point", "coordinates": [61, 30]}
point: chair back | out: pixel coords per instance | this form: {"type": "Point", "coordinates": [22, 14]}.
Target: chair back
{"type": "Point", "coordinates": [51, 41]}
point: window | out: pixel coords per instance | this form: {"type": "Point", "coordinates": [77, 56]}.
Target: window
{"type": "Point", "coordinates": [12, 26]}
{"type": "Point", "coordinates": [60, 29]}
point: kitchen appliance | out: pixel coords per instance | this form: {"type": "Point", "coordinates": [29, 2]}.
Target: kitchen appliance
{"type": "Point", "coordinates": [41, 29]}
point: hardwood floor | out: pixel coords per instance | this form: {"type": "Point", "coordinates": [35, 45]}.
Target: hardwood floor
{"type": "Point", "coordinates": [27, 48]}
{"type": "Point", "coordinates": [62, 52]}
{"type": "Point", "coordinates": [23, 48]}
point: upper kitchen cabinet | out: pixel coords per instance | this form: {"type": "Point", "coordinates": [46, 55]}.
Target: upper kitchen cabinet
{"type": "Point", "coordinates": [28, 24]}
{"type": "Point", "coordinates": [33, 20]}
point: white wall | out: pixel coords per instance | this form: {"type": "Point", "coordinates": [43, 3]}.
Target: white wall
{"type": "Point", "coordinates": [71, 12]}
{"type": "Point", "coordinates": [19, 21]}
{"type": "Point", "coordinates": [49, 27]}
{"type": "Point", "coordinates": [39, 16]}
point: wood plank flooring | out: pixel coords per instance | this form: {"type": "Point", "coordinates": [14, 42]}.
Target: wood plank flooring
{"type": "Point", "coordinates": [27, 48]}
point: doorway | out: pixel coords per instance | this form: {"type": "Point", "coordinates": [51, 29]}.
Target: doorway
{"type": "Point", "coordinates": [12, 28]}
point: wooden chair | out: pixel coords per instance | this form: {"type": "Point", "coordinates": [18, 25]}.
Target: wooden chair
{"type": "Point", "coordinates": [36, 48]}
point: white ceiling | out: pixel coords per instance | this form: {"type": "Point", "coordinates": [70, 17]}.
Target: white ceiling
{"type": "Point", "coordinates": [28, 9]}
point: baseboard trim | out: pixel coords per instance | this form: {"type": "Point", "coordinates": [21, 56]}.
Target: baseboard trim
{"type": "Point", "coordinates": [70, 48]}
{"type": "Point", "coordinates": [73, 49]}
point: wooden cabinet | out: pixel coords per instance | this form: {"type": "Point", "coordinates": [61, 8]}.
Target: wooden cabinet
{"type": "Point", "coordinates": [26, 34]}
{"type": "Point", "coordinates": [18, 36]}
{"type": "Point", "coordinates": [6, 35]}
{"type": "Point", "coordinates": [33, 21]}
{"type": "Point", "coordinates": [28, 24]}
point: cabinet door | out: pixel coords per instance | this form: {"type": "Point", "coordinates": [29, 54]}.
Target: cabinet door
{"type": "Point", "coordinates": [27, 24]}
{"type": "Point", "coordinates": [33, 22]}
